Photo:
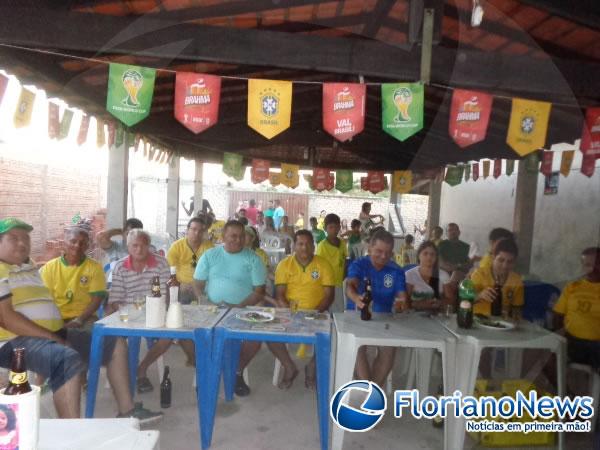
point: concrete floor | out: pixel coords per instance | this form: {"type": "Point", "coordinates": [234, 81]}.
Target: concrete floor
{"type": "Point", "coordinates": [272, 419]}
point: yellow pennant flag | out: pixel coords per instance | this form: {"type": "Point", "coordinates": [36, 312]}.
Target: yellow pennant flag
{"type": "Point", "coordinates": [402, 181]}
{"type": "Point", "coordinates": [566, 162]}
{"type": "Point", "coordinates": [274, 178]}
{"type": "Point", "coordinates": [528, 125]}
{"type": "Point", "coordinates": [24, 108]}
{"type": "Point", "coordinates": [289, 175]}
{"type": "Point", "coordinates": [486, 168]}
{"type": "Point", "coordinates": [269, 106]}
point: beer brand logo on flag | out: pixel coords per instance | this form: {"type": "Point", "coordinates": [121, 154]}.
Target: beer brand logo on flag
{"type": "Point", "coordinates": [528, 125]}
{"type": "Point", "coordinates": [197, 99]}
{"type": "Point", "coordinates": [402, 109]}
{"type": "Point", "coordinates": [469, 116]}
{"type": "Point", "coordinates": [375, 181]}
{"type": "Point", "coordinates": [260, 170]}
{"type": "Point", "coordinates": [402, 181]}
{"type": "Point", "coordinates": [320, 179]}
{"type": "Point", "coordinates": [269, 106]}
{"type": "Point", "coordinates": [590, 139]}
{"type": "Point", "coordinates": [289, 175]}
{"type": "Point", "coordinates": [130, 90]}
{"type": "Point", "coordinates": [344, 109]}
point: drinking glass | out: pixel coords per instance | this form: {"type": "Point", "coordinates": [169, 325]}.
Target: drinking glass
{"type": "Point", "coordinates": [124, 313]}
{"type": "Point", "coordinates": [293, 307]}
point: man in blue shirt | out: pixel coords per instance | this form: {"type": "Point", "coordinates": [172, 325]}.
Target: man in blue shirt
{"type": "Point", "coordinates": [278, 214]}
{"type": "Point", "coordinates": [388, 292]}
{"type": "Point", "coordinates": [236, 276]}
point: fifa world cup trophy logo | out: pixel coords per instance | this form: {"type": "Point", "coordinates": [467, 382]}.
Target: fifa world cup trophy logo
{"type": "Point", "coordinates": [132, 82]}
{"type": "Point", "coordinates": [402, 99]}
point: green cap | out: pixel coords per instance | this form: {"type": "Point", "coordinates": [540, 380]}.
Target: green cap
{"type": "Point", "coordinates": [466, 290]}
{"type": "Point", "coordinates": [12, 222]}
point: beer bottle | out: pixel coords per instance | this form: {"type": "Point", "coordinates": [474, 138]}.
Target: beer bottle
{"type": "Point", "coordinates": [365, 314]}
{"type": "Point", "coordinates": [173, 285]}
{"type": "Point", "coordinates": [497, 304]}
{"type": "Point", "coordinates": [165, 389]}
{"type": "Point", "coordinates": [17, 378]}
{"type": "Point", "coordinates": [156, 287]}
{"type": "Point", "coordinates": [466, 297]}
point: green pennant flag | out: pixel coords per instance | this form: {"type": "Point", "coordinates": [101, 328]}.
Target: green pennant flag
{"type": "Point", "coordinates": [454, 175]}
{"type": "Point", "coordinates": [402, 109]}
{"type": "Point", "coordinates": [343, 180]}
{"type": "Point", "coordinates": [130, 90]}
{"type": "Point", "coordinates": [119, 135]}
{"type": "Point", "coordinates": [510, 167]}
{"type": "Point", "coordinates": [232, 165]}
{"type": "Point", "coordinates": [467, 169]}
{"type": "Point", "coordinates": [65, 124]}
{"type": "Point", "coordinates": [532, 162]}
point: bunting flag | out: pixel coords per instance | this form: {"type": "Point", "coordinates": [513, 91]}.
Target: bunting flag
{"type": "Point", "coordinates": [497, 168]}
{"type": "Point", "coordinates": [532, 162]}
{"type": "Point", "coordinates": [546, 167]}
{"type": "Point", "coordinates": [486, 169]}
{"type": "Point", "coordinates": [467, 170]}
{"type": "Point", "coordinates": [566, 162]}
{"type": "Point", "coordinates": [53, 122]}
{"type": "Point", "coordinates": [343, 180]}
{"type": "Point", "coordinates": [344, 109]}
{"type": "Point", "coordinates": [510, 167]}
{"type": "Point", "coordinates": [232, 164]}
{"type": "Point", "coordinates": [100, 137]}
{"type": "Point", "coordinates": [330, 182]}
{"type": "Point", "coordinates": [402, 109]}
{"type": "Point", "coordinates": [469, 116]}
{"type": "Point", "coordinates": [320, 179]}
{"type": "Point", "coordinates": [454, 175]}
{"type": "Point", "coordinates": [269, 106]}
{"type": "Point", "coordinates": [24, 108]}
{"type": "Point", "coordinates": [3, 86]}
{"type": "Point", "coordinates": [197, 98]}
{"type": "Point", "coordinates": [83, 130]}
{"type": "Point", "coordinates": [274, 178]}
{"type": "Point", "coordinates": [289, 175]}
{"type": "Point", "coordinates": [65, 124]}
{"type": "Point", "coordinates": [130, 91]}
{"type": "Point", "coordinates": [260, 170]}
{"type": "Point", "coordinates": [588, 165]}
{"type": "Point", "coordinates": [111, 133]}
{"type": "Point", "coordinates": [528, 125]}
{"type": "Point", "coordinates": [590, 139]}
{"type": "Point", "coordinates": [402, 181]}
{"type": "Point", "coordinates": [375, 181]}
{"type": "Point", "coordinates": [476, 171]}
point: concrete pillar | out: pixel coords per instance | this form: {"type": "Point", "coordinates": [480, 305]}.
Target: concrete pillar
{"type": "Point", "coordinates": [433, 210]}
{"type": "Point", "coordinates": [524, 216]}
{"type": "Point", "coordinates": [117, 186]}
{"type": "Point", "coordinates": [173, 198]}
{"type": "Point", "coordinates": [198, 182]}
{"type": "Point", "coordinates": [394, 198]}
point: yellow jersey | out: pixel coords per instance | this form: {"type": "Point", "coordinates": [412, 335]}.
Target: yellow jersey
{"type": "Point", "coordinates": [512, 291]}
{"type": "Point", "coordinates": [336, 256]}
{"type": "Point", "coordinates": [580, 304]}
{"type": "Point", "coordinates": [486, 261]}
{"type": "Point", "coordinates": [305, 283]}
{"type": "Point", "coordinates": [181, 256]}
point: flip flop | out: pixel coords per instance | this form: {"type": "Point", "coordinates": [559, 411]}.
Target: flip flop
{"type": "Point", "coordinates": [286, 383]}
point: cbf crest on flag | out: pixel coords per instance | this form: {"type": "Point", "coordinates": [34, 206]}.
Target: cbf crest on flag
{"type": "Point", "coordinates": [402, 181]}
{"type": "Point", "coordinates": [528, 125]}
{"type": "Point", "coordinates": [344, 109]}
{"type": "Point", "coordinates": [197, 99]}
{"type": "Point", "coordinates": [289, 175]}
{"type": "Point", "coordinates": [469, 116]}
{"type": "Point", "coordinates": [130, 90]}
{"type": "Point", "coordinates": [402, 109]}
{"type": "Point", "coordinates": [269, 106]}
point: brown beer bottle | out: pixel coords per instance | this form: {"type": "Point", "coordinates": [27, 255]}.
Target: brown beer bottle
{"type": "Point", "coordinates": [156, 287]}
{"type": "Point", "coordinates": [365, 313]}
{"type": "Point", "coordinates": [17, 378]}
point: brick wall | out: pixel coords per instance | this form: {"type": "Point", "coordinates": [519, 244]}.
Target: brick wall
{"type": "Point", "coordinates": [345, 206]}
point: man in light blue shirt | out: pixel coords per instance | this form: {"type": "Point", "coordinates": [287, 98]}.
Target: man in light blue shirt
{"type": "Point", "coordinates": [236, 276]}
{"type": "Point", "coordinates": [278, 214]}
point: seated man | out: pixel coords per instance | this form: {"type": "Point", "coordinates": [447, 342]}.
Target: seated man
{"type": "Point", "coordinates": [454, 254]}
{"type": "Point", "coordinates": [388, 290]}
{"type": "Point", "coordinates": [309, 280]}
{"type": "Point", "coordinates": [21, 283]}
{"type": "Point", "coordinates": [496, 235]}
{"type": "Point", "coordinates": [236, 276]}
{"type": "Point", "coordinates": [185, 253]}
{"type": "Point", "coordinates": [578, 310]}
{"type": "Point", "coordinates": [76, 282]}
{"type": "Point", "coordinates": [116, 250]}
{"type": "Point", "coordinates": [132, 278]}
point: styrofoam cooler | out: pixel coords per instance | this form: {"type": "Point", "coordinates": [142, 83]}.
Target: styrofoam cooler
{"type": "Point", "coordinates": [156, 311]}
{"type": "Point", "coordinates": [26, 411]}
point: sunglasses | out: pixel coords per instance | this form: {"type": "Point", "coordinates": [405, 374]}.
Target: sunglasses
{"type": "Point", "coordinates": [194, 261]}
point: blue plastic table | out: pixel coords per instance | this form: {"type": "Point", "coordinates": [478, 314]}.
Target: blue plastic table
{"type": "Point", "coordinates": [228, 337]}
{"type": "Point", "coordinates": [198, 325]}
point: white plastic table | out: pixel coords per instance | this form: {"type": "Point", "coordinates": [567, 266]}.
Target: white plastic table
{"type": "Point", "coordinates": [414, 330]}
{"type": "Point", "coordinates": [468, 353]}
{"type": "Point", "coordinates": [95, 434]}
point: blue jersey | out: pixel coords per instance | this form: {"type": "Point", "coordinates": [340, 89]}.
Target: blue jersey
{"type": "Point", "coordinates": [385, 283]}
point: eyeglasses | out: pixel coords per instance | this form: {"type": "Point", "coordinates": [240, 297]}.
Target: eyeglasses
{"type": "Point", "coordinates": [194, 261]}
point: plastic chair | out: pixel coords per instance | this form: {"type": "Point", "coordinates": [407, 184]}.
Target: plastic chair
{"type": "Point", "coordinates": [539, 299]}
{"type": "Point", "coordinates": [593, 385]}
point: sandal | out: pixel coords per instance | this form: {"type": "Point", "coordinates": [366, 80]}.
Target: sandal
{"type": "Point", "coordinates": [309, 378]}
{"type": "Point", "coordinates": [286, 383]}
{"type": "Point", "coordinates": [144, 385]}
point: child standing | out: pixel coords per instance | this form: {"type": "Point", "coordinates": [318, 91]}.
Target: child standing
{"type": "Point", "coordinates": [333, 249]}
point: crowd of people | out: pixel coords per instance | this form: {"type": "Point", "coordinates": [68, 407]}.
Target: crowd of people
{"type": "Point", "coordinates": [50, 311]}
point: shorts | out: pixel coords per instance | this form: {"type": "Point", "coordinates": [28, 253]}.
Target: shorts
{"type": "Point", "coordinates": [55, 362]}
{"type": "Point", "coordinates": [583, 351]}
{"type": "Point", "coordinates": [81, 341]}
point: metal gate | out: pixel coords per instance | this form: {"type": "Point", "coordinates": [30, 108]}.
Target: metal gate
{"type": "Point", "coordinates": [291, 203]}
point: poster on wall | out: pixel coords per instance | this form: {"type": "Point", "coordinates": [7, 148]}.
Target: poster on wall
{"type": "Point", "coordinates": [551, 183]}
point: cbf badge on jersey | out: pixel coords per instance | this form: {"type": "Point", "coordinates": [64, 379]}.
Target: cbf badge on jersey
{"type": "Point", "coordinates": [388, 281]}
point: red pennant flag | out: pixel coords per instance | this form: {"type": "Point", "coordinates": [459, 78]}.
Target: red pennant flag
{"type": "Point", "coordinates": [320, 179]}
{"type": "Point", "coordinates": [497, 168]}
{"type": "Point", "coordinates": [546, 167]}
{"type": "Point", "coordinates": [197, 98]}
{"type": "Point", "coordinates": [344, 109]}
{"type": "Point", "coordinates": [375, 181]}
{"type": "Point", "coordinates": [3, 86]}
{"type": "Point", "coordinates": [83, 130]}
{"type": "Point", "coordinates": [112, 129]}
{"type": "Point", "coordinates": [469, 116]}
{"type": "Point", "coordinates": [330, 182]}
{"type": "Point", "coordinates": [588, 165]}
{"type": "Point", "coordinates": [259, 171]}
{"type": "Point", "coordinates": [590, 139]}
{"type": "Point", "coordinates": [475, 171]}
{"type": "Point", "coordinates": [53, 122]}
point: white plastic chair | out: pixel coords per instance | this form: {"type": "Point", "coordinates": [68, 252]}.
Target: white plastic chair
{"type": "Point", "coordinates": [593, 386]}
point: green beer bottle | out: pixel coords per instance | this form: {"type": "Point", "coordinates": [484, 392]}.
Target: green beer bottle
{"type": "Point", "coordinates": [466, 298]}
